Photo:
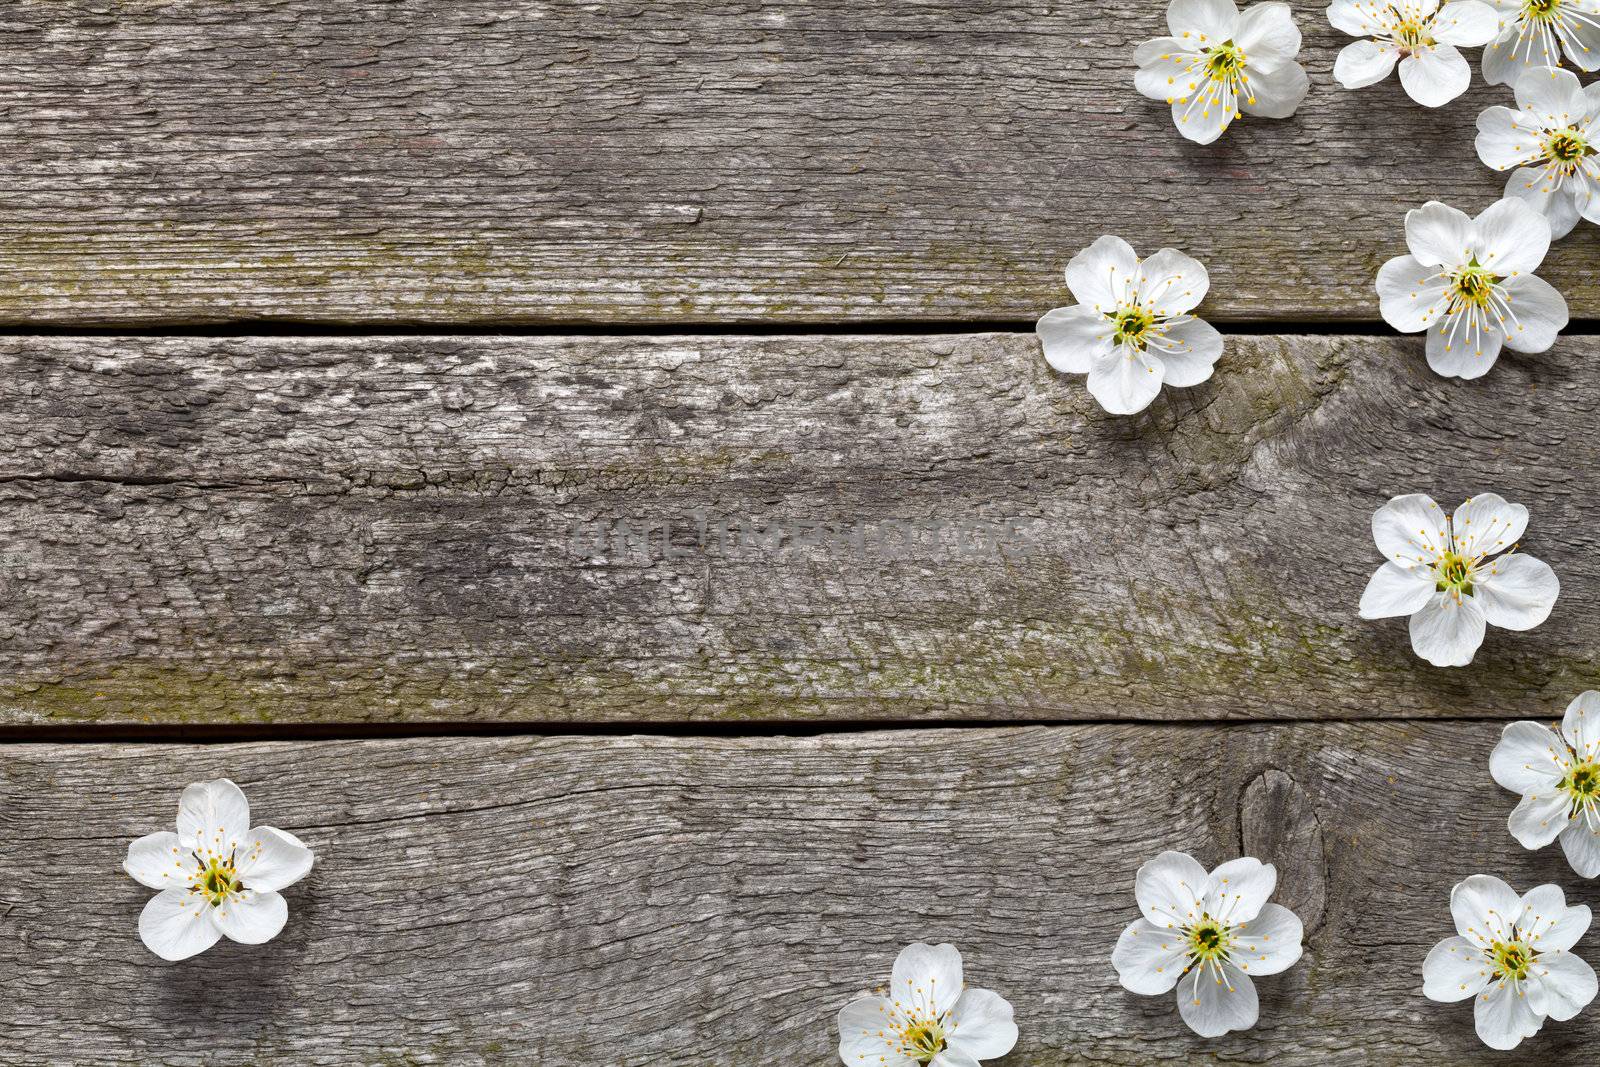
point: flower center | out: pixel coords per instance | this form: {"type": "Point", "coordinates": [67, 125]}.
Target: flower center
{"type": "Point", "coordinates": [1224, 61]}
{"type": "Point", "coordinates": [1209, 940]}
{"type": "Point", "coordinates": [1543, 10]}
{"type": "Point", "coordinates": [1512, 959]}
{"type": "Point", "coordinates": [1411, 34]}
{"type": "Point", "coordinates": [1133, 326]}
{"type": "Point", "coordinates": [1453, 573]}
{"type": "Point", "coordinates": [1567, 148]}
{"type": "Point", "coordinates": [1471, 286]}
{"type": "Point", "coordinates": [923, 1039]}
{"type": "Point", "coordinates": [218, 880]}
{"type": "Point", "coordinates": [1582, 783]}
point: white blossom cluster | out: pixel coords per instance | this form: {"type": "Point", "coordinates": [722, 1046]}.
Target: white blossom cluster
{"type": "Point", "coordinates": [1470, 284]}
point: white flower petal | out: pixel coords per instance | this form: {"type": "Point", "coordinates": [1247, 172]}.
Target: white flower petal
{"type": "Point", "coordinates": [1569, 984]}
{"type": "Point", "coordinates": [158, 861]}
{"type": "Point", "coordinates": [952, 1057]}
{"type": "Point", "coordinates": [270, 859]}
{"type": "Point", "coordinates": [1435, 76]}
{"type": "Point", "coordinates": [1396, 589]}
{"type": "Point", "coordinates": [1149, 958]}
{"type": "Point", "coordinates": [1166, 69]}
{"type": "Point", "coordinates": [1213, 20]}
{"type": "Point", "coordinates": [1354, 17]}
{"type": "Point", "coordinates": [213, 817]}
{"type": "Point", "coordinates": [1217, 999]}
{"type": "Point", "coordinates": [1276, 94]}
{"type": "Point", "coordinates": [1528, 759]}
{"type": "Point", "coordinates": [1564, 929]}
{"type": "Point", "coordinates": [1541, 314]}
{"type": "Point", "coordinates": [1365, 63]}
{"type": "Point", "coordinates": [1547, 923]}
{"type": "Point", "coordinates": [1466, 24]}
{"type": "Point", "coordinates": [1538, 819]}
{"type": "Point", "coordinates": [175, 925]}
{"type": "Point", "coordinates": [1125, 382]}
{"type": "Point", "coordinates": [1074, 337]}
{"type": "Point", "coordinates": [1504, 1016]}
{"type": "Point", "coordinates": [1411, 294]}
{"type": "Point", "coordinates": [1157, 47]}
{"type": "Point", "coordinates": [1236, 890]}
{"type": "Point", "coordinates": [928, 975]}
{"type": "Point", "coordinates": [1269, 943]}
{"type": "Point", "coordinates": [1554, 96]}
{"type": "Point", "coordinates": [981, 1025]}
{"type": "Point", "coordinates": [1559, 206]}
{"type": "Point", "coordinates": [1101, 274]}
{"type": "Point", "coordinates": [1196, 347]}
{"type": "Point", "coordinates": [862, 1024]}
{"type": "Point", "coordinates": [1583, 42]}
{"type": "Point", "coordinates": [1464, 347]}
{"type": "Point", "coordinates": [1173, 283]}
{"type": "Point", "coordinates": [1454, 970]}
{"type": "Point", "coordinates": [293, 840]}
{"type": "Point", "coordinates": [1169, 889]}
{"type": "Point", "coordinates": [1438, 235]}
{"type": "Point", "coordinates": [1411, 529]}
{"type": "Point", "coordinates": [1506, 139]}
{"type": "Point", "coordinates": [1485, 909]}
{"type": "Point", "coordinates": [1510, 237]}
{"type": "Point", "coordinates": [1588, 204]}
{"type": "Point", "coordinates": [1581, 844]}
{"type": "Point", "coordinates": [1580, 726]}
{"type": "Point", "coordinates": [1267, 34]}
{"type": "Point", "coordinates": [1516, 592]}
{"type": "Point", "coordinates": [251, 918]}
{"type": "Point", "coordinates": [1202, 120]}
{"type": "Point", "coordinates": [1486, 523]}
{"type": "Point", "coordinates": [1503, 64]}
{"type": "Point", "coordinates": [1447, 632]}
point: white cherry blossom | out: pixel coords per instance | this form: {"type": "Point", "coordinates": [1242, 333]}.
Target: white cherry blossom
{"type": "Point", "coordinates": [1423, 36]}
{"type": "Point", "coordinates": [1536, 33]}
{"type": "Point", "coordinates": [929, 1019]}
{"type": "Point", "coordinates": [1551, 143]}
{"type": "Point", "coordinates": [218, 875]}
{"type": "Point", "coordinates": [1470, 284]}
{"type": "Point", "coordinates": [1558, 775]}
{"type": "Point", "coordinates": [1206, 935]}
{"type": "Point", "coordinates": [1455, 575]}
{"type": "Point", "coordinates": [1131, 331]}
{"type": "Point", "coordinates": [1219, 64]}
{"type": "Point", "coordinates": [1512, 955]}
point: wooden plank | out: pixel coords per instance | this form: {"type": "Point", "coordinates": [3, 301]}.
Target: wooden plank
{"type": "Point", "coordinates": [550, 161]}
{"type": "Point", "coordinates": [382, 529]}
{"type": "Point", "coordinates": [574, 902]}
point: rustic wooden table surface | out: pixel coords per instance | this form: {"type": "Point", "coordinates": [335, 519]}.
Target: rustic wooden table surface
{"type": "Point", "coordinates": [336, 334]}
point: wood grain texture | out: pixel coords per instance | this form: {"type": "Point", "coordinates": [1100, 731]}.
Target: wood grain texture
{"type": "Point", "coordinates": [584, 902]}
{"type": "Point", "coordinates": [551, 161]}
{"type": "Point", "coordinates": [381, 529]}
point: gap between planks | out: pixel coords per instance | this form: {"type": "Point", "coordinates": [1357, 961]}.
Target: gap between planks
{"type": "Point", "coordinates": [1583, 327]}
{"type": "Point", "coordinates": [220, 734]}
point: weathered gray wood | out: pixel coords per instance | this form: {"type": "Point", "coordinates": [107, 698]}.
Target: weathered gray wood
{"type": "Point", "coordinates": [335, 530]}
{"type": "Point", "coordinates": [675, 162]}
{"type": "Point", "coordinates": [584, 902]}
